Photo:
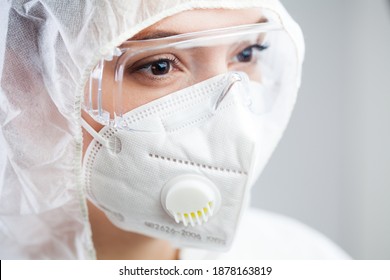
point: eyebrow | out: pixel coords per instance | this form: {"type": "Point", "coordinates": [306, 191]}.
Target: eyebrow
{"type": "Point", "coordinates": [153, 35]}
{"type": "Point", "coordinates": [146, 35]}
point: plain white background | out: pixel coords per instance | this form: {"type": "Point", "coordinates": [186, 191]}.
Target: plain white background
{"type": "Point", "coordinates": [332, 168]}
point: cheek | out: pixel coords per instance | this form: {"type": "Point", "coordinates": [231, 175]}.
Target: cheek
{"type": "Point", "coordinates": [136, 94]}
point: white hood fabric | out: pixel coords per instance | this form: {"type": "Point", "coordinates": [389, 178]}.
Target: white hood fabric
{"type": "Point", "coordinates": [47, 50]}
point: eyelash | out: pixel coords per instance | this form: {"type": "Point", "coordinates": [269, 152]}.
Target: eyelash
{"type": "Point", "coordinates": [174, 60]}
{"type": "Point", "coordinates": [260, 47]}
{"type": "Point", "coordinates": [145, 68]}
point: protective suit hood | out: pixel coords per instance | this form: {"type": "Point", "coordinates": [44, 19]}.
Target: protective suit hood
{"type": "Point", "coordinates": [46, 55]}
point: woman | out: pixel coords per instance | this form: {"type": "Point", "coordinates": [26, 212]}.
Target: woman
{"type": "Point", "coordinates": [181, 105]}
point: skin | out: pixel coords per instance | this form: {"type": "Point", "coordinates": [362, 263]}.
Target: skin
{"type": "Point", "coordinates": [111, 242]}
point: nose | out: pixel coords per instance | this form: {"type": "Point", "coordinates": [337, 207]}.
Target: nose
{"type": "Point", "coordinates": [208, 62]}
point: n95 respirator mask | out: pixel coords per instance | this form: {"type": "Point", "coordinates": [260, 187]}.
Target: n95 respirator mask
{"type": "Point", "coordinates": [183, 169]}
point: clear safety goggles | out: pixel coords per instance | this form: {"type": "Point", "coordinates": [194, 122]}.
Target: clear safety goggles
{"type": "Point", "coordinates": [140, 71]}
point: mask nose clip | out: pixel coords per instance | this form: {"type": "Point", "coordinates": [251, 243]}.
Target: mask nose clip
{"type": "Point", "coordinates": [231, 80]}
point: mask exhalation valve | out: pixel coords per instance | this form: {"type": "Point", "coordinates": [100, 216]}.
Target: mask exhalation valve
{"type": "Point", "coordinates": [190, 199]}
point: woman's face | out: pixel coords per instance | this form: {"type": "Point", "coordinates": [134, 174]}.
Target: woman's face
{"type": "Point", "coordinates": [152, 75]}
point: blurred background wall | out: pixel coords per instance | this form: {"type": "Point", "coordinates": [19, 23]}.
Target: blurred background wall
{"type": "Point", "coordinates": [332, 168]}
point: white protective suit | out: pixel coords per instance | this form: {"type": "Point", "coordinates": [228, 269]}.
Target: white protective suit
{"type": "Point", "coordinates": [47, 50]}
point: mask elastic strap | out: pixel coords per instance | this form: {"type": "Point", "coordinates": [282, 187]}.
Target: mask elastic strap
{"type": "Point", "coordinates": [94, 134]}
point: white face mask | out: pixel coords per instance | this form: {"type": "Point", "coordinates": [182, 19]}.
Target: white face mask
{"type": "Point", "coordinates": [183, 169]}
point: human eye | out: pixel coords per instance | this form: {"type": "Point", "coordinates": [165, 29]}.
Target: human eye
{"type": "Point", "coordinates": [249, 53]}
{"type": "Point", "coordinates": [154, 68]}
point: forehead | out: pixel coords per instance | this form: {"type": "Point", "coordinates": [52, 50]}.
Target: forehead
{"type": "Point", "coordinates": [200, 20]}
